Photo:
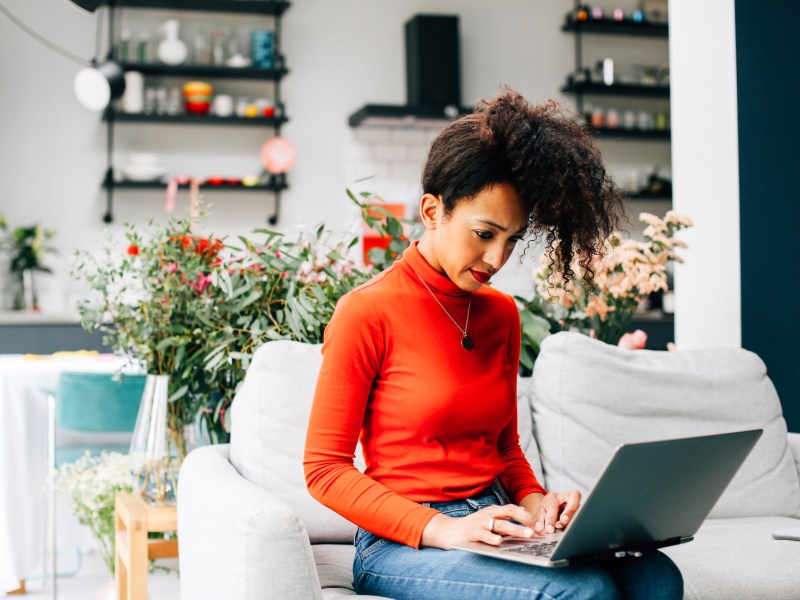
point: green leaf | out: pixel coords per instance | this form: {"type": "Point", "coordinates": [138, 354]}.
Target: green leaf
{"type": "Point", "coordinates": [180, 393]}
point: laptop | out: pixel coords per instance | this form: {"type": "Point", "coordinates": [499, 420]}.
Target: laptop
{"type": "Point", "coordinates": [650, 495]}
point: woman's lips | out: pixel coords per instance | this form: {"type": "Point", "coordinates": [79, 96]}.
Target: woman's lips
{"type": "Point", "coordinates": [480, 277]}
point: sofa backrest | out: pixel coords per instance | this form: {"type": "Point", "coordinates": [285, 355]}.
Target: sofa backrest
{"type": "Point", "coordinates": [588, 397]}
{"type": "Point", "coordinates": [268, 428]}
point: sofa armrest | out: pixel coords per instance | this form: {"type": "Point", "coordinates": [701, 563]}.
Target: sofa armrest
{"type": "Point", "coordinates": [236, 540]}
{"type": "Point", "coordinates": [794, 444]}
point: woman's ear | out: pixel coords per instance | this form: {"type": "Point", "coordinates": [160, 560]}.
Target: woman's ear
{"type": "Point", "coordinates": [431, 209]}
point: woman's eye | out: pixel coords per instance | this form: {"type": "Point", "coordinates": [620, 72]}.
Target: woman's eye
{"type": "Point", "coordinates": [484, 235]}
{"type": "Point", "coordinates": [514, 239]}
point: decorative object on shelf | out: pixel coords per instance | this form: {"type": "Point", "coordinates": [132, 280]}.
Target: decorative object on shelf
{"type": "Point", "coordinates": [656, 11]}
{"type": "Point", "coordinates": [625, 275]}
{"type": "Point", "coordinates": [197, 96]}
{"type": "Point", "coordinates": [262, 48]}
{"type": "Point", "coordinates": [91, 483]}
{"type": "Point", "coordinates": [143, 166]}
{"type": "Point", "coordinates": [222, 106]}
{"type": "Point", "coordinates": [172, 50]}
{"type": "Point", "coordinates": [26, 247]}
{"type": "Point", "coordinates": [133, 98]}
{"type": "Point", "coordinates": [278, 156]}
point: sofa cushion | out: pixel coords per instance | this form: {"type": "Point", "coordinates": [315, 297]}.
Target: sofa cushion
{"type": "Point", "coordinates": [268, 430]}
{"type": "Point", "coordinates": [525, 426]}
{"type": "Point", "coordinates": [589, 397]}
{"type": "Point", "coordinates": [737, 558]}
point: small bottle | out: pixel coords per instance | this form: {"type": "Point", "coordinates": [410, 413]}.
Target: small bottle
{"type": "Point", "coordinates": [142, 47]}
{"type": "Point", "coordinates": [218, 47]}
{"type": "Point", "coordinates": [201, 49]}
{"type": "Point", "coordinates": [125, 46]}
{"type": "Point", "coordinates": [612, 118]}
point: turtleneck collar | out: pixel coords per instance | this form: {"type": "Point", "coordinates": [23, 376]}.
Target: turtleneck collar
{"type": "Point", "coordinates": [414, 264]}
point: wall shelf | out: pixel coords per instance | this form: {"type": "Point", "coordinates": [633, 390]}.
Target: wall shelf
{"type": "Point", "coordinates": [618, 89]}
{"type": "Point", "coordinates": [612, 27]}
{"type": "Point", "coordinates": [111, 114]}
{"type": "Point", "coordinates": [253, 7]}
{"type": "Point", "coordinates": [206, 71]}
{"type": "Point", "coordinates": [621, 133]}
{"type": "Point", "coordinates": [162, 185]}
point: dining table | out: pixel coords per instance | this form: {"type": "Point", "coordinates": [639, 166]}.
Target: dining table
{"type": "Point", "coordinates": [25, 381]}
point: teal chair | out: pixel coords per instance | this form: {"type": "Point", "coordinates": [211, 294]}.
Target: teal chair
{"type": "Point", "coordinates": [89, 404]}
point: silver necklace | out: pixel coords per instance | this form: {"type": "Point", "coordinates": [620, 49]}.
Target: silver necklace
{"type": "Point", "coordinates": [466, 341]}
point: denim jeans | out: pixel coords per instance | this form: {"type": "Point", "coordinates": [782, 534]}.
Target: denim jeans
{"type": "Point", "coordinates": [385, 568]}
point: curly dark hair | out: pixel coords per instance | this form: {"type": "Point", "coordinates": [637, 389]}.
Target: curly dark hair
{"type": "Point", "coordinates": [551, 161]}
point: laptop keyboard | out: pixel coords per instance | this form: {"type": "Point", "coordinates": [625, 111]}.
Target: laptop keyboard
{"type": "Point", "coordinates": [532, 549]}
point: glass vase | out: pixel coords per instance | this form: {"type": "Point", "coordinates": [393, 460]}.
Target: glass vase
{"type": "Point", "coordinates": [160, 444]}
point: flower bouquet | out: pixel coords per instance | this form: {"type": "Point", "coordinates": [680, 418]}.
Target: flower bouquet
{"type": "Point", "coordinates": [624, 275]}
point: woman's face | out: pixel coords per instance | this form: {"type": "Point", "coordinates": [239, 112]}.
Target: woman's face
{"type": "Point", "coordinates": [477, 238]}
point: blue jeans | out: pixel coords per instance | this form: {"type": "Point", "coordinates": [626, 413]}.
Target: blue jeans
{"type": "Point", "coordinates": [385, 568]}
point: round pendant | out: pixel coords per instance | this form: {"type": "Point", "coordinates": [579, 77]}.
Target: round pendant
{"type": "Point", "coordinates": [466, 342]}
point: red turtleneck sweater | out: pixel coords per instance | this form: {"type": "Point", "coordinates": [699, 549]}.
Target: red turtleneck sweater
{"type": "Point", "coordinates": [436, 422]}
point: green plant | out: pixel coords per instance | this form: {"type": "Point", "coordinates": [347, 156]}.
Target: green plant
{"type": "Point", "coordinates": [26, 247]}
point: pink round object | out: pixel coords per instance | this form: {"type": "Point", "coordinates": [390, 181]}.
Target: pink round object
{"type": "Point", "coordinates": [278, 155]}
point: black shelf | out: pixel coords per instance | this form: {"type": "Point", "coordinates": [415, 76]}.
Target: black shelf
{"type": "Point", "coordinates": [115, 115]}
{"type": "Point", "coordinates": [612, 27]}
{"type": "Point", "coordinates": [618, 89]}
{"type": "Point", "coordinates": [205, 71]}
{"type": "Point", "coordinates": [253, 7]}
{"type": "Point", "coordinates": [649, 197]}
{"type": "Point", "coordinates": [162, 185]}
{"type": "Point", "coordinates": [622, 133]}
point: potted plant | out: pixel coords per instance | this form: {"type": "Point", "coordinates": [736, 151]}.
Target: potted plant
{"type": "Point", "coordinates": [26, 247]}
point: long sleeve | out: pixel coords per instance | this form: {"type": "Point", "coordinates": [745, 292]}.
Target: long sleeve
{"type": "Point", "coordinates": [352, 352]}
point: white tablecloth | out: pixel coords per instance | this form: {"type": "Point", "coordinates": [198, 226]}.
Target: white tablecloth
{"type": "Point", "coordinates": [23, 454]}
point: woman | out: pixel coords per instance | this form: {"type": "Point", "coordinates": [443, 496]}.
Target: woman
{"type": "Point", "coordinates": [420, 364]}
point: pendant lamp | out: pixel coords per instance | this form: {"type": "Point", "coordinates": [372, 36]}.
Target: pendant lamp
{"type": "Point", "coordinates": [98, 85]}
{"type": "Point", "coordinates": [90, 5]}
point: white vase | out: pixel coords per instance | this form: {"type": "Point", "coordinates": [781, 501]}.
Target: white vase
{"type": "Point", "coordinates": [172, 51]}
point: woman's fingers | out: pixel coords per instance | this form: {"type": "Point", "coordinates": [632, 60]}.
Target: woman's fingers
{"type": "Point", "coordinates": [570, 502]}
{"type": "Point", "coordinates": [497, 522]}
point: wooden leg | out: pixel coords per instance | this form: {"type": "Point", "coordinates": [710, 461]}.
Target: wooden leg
{"type": "Point", "coordinates": [137, 574]}
{"type": "Point", "coordinates": [19, 591]}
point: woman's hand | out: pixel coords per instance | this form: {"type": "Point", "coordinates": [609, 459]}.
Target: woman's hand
{"type": "Point", "coordinates": [551, 512]}
{"type": "Point", "coordinates": [444, 532]}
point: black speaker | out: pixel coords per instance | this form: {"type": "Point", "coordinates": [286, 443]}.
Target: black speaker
{"type": "Point", "coordinates": [433, 63]}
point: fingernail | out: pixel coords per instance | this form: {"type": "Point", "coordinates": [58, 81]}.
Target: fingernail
{"type": "Point", "coordinates": [527, 531]}
{"type": "Point", "coordinates": [550, 529]}
{"type": "Point", "coordinates": [538, 525]}
{"type": "Point", "coordinates": [564, 518]}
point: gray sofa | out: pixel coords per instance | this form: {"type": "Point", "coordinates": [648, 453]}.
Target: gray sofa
{"type": "Point", "coordinates": [249, 530]}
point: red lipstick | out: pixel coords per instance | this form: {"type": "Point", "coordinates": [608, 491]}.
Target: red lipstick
{"type": "Point", "coordinates": [480, 277]}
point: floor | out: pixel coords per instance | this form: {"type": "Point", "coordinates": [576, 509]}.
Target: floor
{"type": "Point", "coordinates": [92, 582]}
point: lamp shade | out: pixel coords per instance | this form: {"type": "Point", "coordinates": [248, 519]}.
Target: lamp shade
{"type": "Point", "coordinates": [90, 5]}
{"type": "Point", "coordinates": [98, 85]}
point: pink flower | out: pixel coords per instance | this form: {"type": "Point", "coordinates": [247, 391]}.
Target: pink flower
{"type": "Point", "coordinates": [633, 341]}
{"type": "Point", "coordinates": [201, 283]}
{"type": "Point", "coordinates": [171, 267]}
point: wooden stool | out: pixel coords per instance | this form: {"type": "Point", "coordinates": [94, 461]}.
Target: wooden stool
{"type": "Point", "coordinates": [134, 520]}
{"type": "Point", "coordinates": [19, 591]}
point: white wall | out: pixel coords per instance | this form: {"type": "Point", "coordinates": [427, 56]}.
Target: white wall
{"type": "Point", "coordinates": [340, 54]}
{"type": "Point", "coordinates": [705, 162]}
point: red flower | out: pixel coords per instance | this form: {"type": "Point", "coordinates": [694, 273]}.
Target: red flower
{"type": "Point", "coordinates": [186, 241]}
{"type": "Point", "coordinates": [202, 246]}
{"type": "Point", "coordinates": [133, 250]}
